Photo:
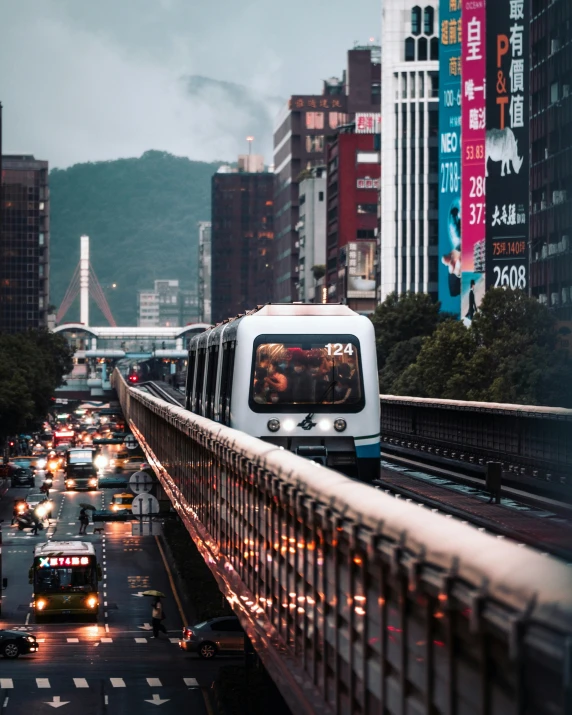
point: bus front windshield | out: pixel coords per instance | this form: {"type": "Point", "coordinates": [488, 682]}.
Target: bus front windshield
{"type": "Point", "coordinates": [78, 579]}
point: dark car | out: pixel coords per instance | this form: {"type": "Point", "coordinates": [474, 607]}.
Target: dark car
{"type": "Point", "coordinates": [21, 476]}
{"type": "Point", "coordinates": [14, 643]}
{"type": "Point", "coordinates": [217, 635]}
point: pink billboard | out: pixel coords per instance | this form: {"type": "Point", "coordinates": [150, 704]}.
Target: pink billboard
{"type": "Point", "coordinates": [473, 128]}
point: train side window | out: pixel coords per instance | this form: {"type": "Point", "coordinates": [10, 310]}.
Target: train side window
{"type": "Point", "coordinates": [190, 376]}
{"type": "Point", "coordinates": [226, 381]}
{"type": "Point", "coordinates": [200, 380]}
{"type": "Point", "coordinates": [211, 381]}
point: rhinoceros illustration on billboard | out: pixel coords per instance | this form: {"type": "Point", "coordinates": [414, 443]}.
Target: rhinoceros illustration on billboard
{"type": "Point", "coordinates": [502, 146]}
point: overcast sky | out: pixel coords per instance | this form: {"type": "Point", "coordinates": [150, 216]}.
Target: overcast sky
{"type": "Point", "coordinates": [86, 81]}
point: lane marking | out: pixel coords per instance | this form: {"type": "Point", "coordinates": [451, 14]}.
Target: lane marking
{"type": "Point", "coordinates": [154, 682]}
{"type": "Point", "coordinates": [106, 700]}
{"type": "Point", "coordinates": [6, 683]}
{"type": "Point", "coordinates": [184, 620]}
{"type": "Point", "coordinates": [117, 682]}
{"type": "Point", "coordinates": [191, 682]}
{"type": "Point", "coordinates": [174, 640]}
{"type": "Point", "coordinates": [107, 627]}
{"type": "Point", "coordinates": [72, 640]}
{"type": "Point", "coordinates": [140, 640]}
{"type": "Point", "coordinates": [43, 683]}
{"type": "Point", "coordinates": [107, 640]}
{"type": "Point", "coordinates": [5, 702]}
{"type": "Point", "coordinates": [27, 619]}
{"type": "Point", "coordinates": [80, 683]}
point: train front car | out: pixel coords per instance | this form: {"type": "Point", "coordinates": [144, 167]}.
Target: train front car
{"type": "Point", "coordinates": [303, 377]}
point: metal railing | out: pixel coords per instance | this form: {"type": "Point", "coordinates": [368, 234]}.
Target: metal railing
{"type": "Point", "coordinates": [359, 603]}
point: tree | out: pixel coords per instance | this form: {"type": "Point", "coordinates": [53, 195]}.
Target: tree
{"type": "Point", "coordinates": [507, 355]}
{"type": "Point", "coordinates": [400, 318]}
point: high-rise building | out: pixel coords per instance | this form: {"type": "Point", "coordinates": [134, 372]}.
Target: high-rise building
{"type": "Point", "coordinates": [551, 159]}
{"type": "Point", "coordinates": [241, 239]}
{"type": "Point", "coordinates": [300, 143]}
{"type": "Point", "coordinates": [205, 263]}
{"type": "Point", "coordinates": [312, 234]}
{"type": "Point", "coordinates": [24, 244]}
{"type": "Point", "coordinates": [353, 187]}
{"type": "Point", "coordinates": [167, 305]}
{"type": "Point", "coordinates": [408, 255]}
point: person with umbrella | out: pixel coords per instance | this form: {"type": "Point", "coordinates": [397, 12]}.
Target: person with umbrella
{"type": "Point", "coordinates": [157, 613]}
{"type": "Point", "coordinates": [84, 517]}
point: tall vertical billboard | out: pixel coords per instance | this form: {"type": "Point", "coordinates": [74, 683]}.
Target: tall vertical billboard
{"type": "Point", "coordinates": [506, 149]}
{"type": "Point", "coordinates": [473, 130]}
{"type": "Point", "coordinates": [450, 155]}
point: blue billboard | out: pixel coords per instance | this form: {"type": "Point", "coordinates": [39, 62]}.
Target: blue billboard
{"type": "Point", "coordinates": [450, 156]}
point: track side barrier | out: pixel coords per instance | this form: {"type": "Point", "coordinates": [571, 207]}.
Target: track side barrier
{"type": "Point", "coordinates": [359, 603]}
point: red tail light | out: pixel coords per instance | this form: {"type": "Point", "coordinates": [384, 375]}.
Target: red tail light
{"type": "Point", "coordinates": [187, 632]}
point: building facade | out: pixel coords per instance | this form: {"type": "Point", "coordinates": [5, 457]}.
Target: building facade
{"type": "Point", "coordinates": [24, 244]}
{"type": "Point", "coordinates": [551, 155]}
{"type": "Point", "coordinates": [312, 235]}
{"type": "Point", "coordinates": [300, 144]}
{"type": "Point", "coordinates": [408, 248]}
{"type": "Point", "coordinates": [205, 263]}
{"type": "Point", "coordinates": [353, 172]}
{"type": "Point", "coordinates": [241, 241]}
{"type": "Point", "coordinates": [167, 305]}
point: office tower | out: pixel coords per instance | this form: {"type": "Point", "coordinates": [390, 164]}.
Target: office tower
{"type": "Point", "coordinates": [300, 143]}
{"type": "Point", "coordinates": [312, 235]}
{"type": "Point", "coordinates": [205, 263]}
{"type": "Point", "coordinates": [408, 256]}
{"type": "Point", "coordinates": [24, 244]}
{"type": "Point", "coordinates": [241, 238]}
{"type": "Point", "coordinates": [551, 159]}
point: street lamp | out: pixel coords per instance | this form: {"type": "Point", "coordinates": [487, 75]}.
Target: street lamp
{"type": "Point", "coordinates": [249, 140]}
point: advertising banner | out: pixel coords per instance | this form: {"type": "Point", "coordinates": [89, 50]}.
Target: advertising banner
{"type": "Point", "coordinates": [506, 148]}
{"type": "Point", "coordinates": [450, 156]}
{"type": "Point", "coordinates": [361, 269]}
{"type": "Point", "coordinates": [473, 129]}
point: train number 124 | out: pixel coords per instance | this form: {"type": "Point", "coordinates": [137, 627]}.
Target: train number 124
{"type": "Point", "coordinates": [340, 349]}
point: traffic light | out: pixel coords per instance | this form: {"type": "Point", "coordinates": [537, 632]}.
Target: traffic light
{"type": "Point", "coordinates": [133, 378]}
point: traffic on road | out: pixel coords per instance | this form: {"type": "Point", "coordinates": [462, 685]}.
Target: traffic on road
{"type": "Point", "coordinates": [78, 611]}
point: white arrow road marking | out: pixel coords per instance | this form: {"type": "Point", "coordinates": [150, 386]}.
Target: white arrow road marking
{"type": "Point", "coordinates": [157, 700]}
{"type": "Point", "coordinates": [145, 627]}
{"type": "Point", "coordinates": [57, 702]}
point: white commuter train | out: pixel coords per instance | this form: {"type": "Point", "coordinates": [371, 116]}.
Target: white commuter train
{"type": "Point", "coordinates": [301, 376]}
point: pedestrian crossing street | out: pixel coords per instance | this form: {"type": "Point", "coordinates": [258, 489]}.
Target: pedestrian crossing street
{"type": "Point", "coordinates": [81, 683]}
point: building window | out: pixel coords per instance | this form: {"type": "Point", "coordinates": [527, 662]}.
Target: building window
{"type": "Point", "coordinates": [409, 49]}
{"type": "Point", "coordinates": [41, 239]}
{"type": "Point", "coordinates": [367, 209]}
{"type": "Point", "coordinates": [366, 233]}
{"type": "Point", "coordinates": [422, 49]}
{"type": "Point", "coordinates": [314, 120]}
{"type": "Point", "coordinates": [416, 20]}
{"type": "Point", "coordinates": [554, 94]}
{"type": "Point", "coordinates": [434, 48]}
{"type": "Point", "coordinates": [320, 196]}
{"type": "Point", "coordinates": [336, 119]}
{"type": "Point", "coordinates": [315, 143]}
{"type": "Point", "coordinates": [428, 20]}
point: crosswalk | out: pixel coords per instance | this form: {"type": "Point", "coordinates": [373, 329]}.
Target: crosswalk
{"type": "Point", "coordinates": [95, 640]}
{"type": "Point", "coordinates": [85, 683]}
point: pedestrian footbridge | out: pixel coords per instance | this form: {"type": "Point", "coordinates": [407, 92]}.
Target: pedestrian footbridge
{"type": "Point", "coordinates": [359, 603]}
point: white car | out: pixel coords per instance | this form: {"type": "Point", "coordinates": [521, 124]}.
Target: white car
{"type": "Point", "coordinates": [35, 499]}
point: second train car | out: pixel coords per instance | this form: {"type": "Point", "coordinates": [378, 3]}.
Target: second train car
{"type": "Point", "coordinates": [300, 376]}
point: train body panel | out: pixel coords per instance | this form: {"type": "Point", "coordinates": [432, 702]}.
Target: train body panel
{"type": "Point", "coordinates": [301, 377]}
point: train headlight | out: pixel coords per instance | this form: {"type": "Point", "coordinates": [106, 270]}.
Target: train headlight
{"type": "Point", "coordinates": [273, 425]}
{"type": "Point", "coordinates": [289, 425]}
{"type": "Point", "coordinates": [325, 425]}
{"type": "Point", "coordinates": [340, 425]}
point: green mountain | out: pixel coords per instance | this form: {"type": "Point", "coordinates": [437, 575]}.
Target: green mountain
{"type": "Point", "coordinates": [141, 216]}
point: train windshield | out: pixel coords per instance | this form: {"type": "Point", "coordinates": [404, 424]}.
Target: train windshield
{"type": "Point", "coordinates": [309, 372]}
